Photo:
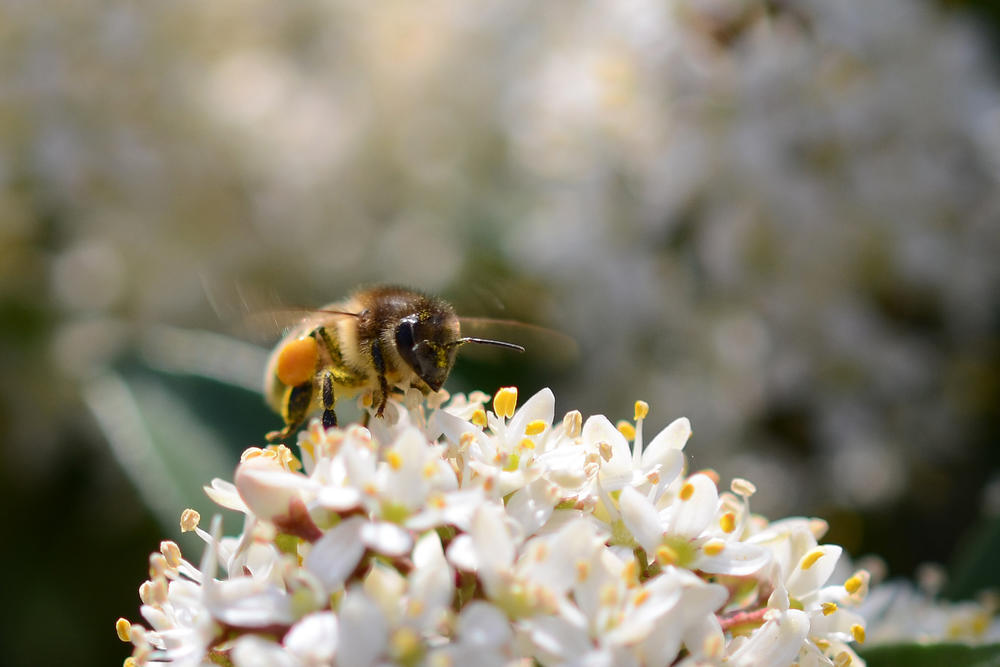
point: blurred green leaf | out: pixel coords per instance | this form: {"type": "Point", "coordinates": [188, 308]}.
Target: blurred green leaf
{"type": "Point", "coordinates": [975, 568]}
{"type": "Point", "coordinates": [932, 655]}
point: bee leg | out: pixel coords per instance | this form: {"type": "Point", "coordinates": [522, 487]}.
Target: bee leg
{"type": "Point", "coordinates": [329, 416]}
{"type": "Point", "coordinates": [383, 385]}
{"type": "Point", "coordinates": [295, 407]}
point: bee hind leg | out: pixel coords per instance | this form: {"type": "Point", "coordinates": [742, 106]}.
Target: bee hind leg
{"type": "Point", "coordinates": [329, 416]}
{"type": "Point", "coordinates": [295, 407]}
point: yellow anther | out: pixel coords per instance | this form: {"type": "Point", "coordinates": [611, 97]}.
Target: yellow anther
{"type": "Point", "coordinates": [189, 520]}
{"type": "Point", "coordinates": [653, 477]}
{"type": "Point", "coordinates": [430, 470]}
{"type": "Point", "coordinates": [582, 570]}
{"type": "Point", "coordinates": [853, 584]}
{"type": "Point", "coordinates": [368, 399]}
{"type": "Point", "coordinates": [822, 645]}
{"type": "Point", "coordinates": [810, 558]}
{"type": "Point", "coordinates": [415, 608]}
{"type": "Point", "coordinates": [130, 662]}
{"type": "Point", "coordinates": [605, 450]}
{"type": "Point", "coordinates": [829, 608]}
{"type": "Point", "coordinates": [573, 424]}
{"type": "Point", "coordinates": [626, 429]}
{"type": "Point", "coordinates": [640, 597]}
{"type": "Point", "coordinates": [394, 459]}
{"type": "Point", "coordinates": [630, 573]}
{"type": "Point", "coordinates": [251, 453]}
{"type": "Point", "coordinates": [743, 487]}
{"type": "Point", "coordinates": [687, 491]}
{"type": "Point", "coordinates": [858, 632]}
{"type": "Point", "coordinates": [158, 566]}
{"type": "Point", "coordinates": [124, 629]}
{"type": "Point", "coordinates": [665, 555]}
{"type": "Point", "coordinates": [468, 437]}
{"type": "Point", "coordinates": [843, 659]}
{"type": "Point", "coordinates": [727, 522]}
{"type": "Point", "coordinates": [713, 547]}
{"type": "Point", "coordinates": [535, 427]}
{"type": "Point", "coordinates": [171, 552]}
{"type": "Point", "coordinates": [527, 443]}
{"type": "Point", "coordinates": [505, 401]}
{"type": "Point", "coordinates": [437, 501]}
{"type": "Point", "coordinates": [404, 643]}
{"type": "Point", "coordinates": [479, 418]}
{"type": "Point", "coordinates": [641, 410]}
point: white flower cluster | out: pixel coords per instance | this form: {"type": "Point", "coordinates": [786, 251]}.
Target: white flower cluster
{"type": "Point", "coordinates": [455, 534]}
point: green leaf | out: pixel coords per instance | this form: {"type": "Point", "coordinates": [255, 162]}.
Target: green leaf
{"type": "Point", "coordinates": [975, 570]}
{"type": "Point", "coordinates": [932, 655]}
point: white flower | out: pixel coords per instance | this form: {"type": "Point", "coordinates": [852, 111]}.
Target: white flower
{"type": "Point", "coordinates": [484, 544]}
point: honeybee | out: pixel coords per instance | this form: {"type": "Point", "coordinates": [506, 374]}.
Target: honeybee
{"type": "Point", "coordinates": [379, 338]}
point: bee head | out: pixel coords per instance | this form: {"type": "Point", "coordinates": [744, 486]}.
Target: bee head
{"type": "Point", "coordinates": [429, 344]}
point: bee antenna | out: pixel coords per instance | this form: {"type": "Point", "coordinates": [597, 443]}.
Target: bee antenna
{"type": "Point", "coordinates": [487, 341]}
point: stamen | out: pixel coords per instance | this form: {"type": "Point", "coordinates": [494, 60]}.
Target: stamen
{"type": "Point", "coordinates": [605, 450]}
{"type": "Point", "coordinates": [810, 559]}
{"type": "Point", "coordinates": [505, 401]}
{"type": "Point", "coordinates": [714, 547]}
{"type": "Point", "coordinates": [843, 659]}
{"type": "Point", "coordinates": [124, 629]}
{"type": "Point", "coordinates": [854, 583]}
{"type": "Point", "coordinates": [479, 418]}
{"type": "Point", "coordinates": [858, 632]}
{"type": "Point", "coordinates": [687, 491]}
{"type": "Point", "coordinates": [189, 520]}
{"type": "Point", "coordinates": [535, 427]}
{"type": "Point", "coordinates": [665, 555]}
{"type": "Point", "coordinates": [727, 522]}
{"type": "Point", "coordinates": [829, 608]}
{"type": "Point", "coordinates": [641, 410]}
{"type": "Point", "coordinates": [171, 552]}
{"type": "Point", "coordinates": [626, 429]}
{"type": "Point", "coordinates": [394, 460]}
{"type": "Point", "coordinates": [573, 424]}
{"type": "Point", "coordinates": [743, 487]}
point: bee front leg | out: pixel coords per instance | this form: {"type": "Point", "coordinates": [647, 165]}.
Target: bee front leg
{"type": "Point", "coordinates": [383, 384]}
{"type": "Point", "coordinates": [329, 416]}
{"type": "Point", "coordinates": [295, 407]}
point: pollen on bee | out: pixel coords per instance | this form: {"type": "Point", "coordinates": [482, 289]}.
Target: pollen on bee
{"type": "Point", "coordinates": [297, 361]}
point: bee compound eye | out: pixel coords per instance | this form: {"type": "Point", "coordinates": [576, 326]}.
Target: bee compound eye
{"type": "Point", "coordinates": [404, 335]}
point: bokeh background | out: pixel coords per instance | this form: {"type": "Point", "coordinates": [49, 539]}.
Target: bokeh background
{"type": "Point", "coordinates": [779, 218]}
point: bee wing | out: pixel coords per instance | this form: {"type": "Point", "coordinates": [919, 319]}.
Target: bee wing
{"type": "Point", "coordinates": [259, 316]}
{"type": "Point", "coordinates": [556, 346]}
